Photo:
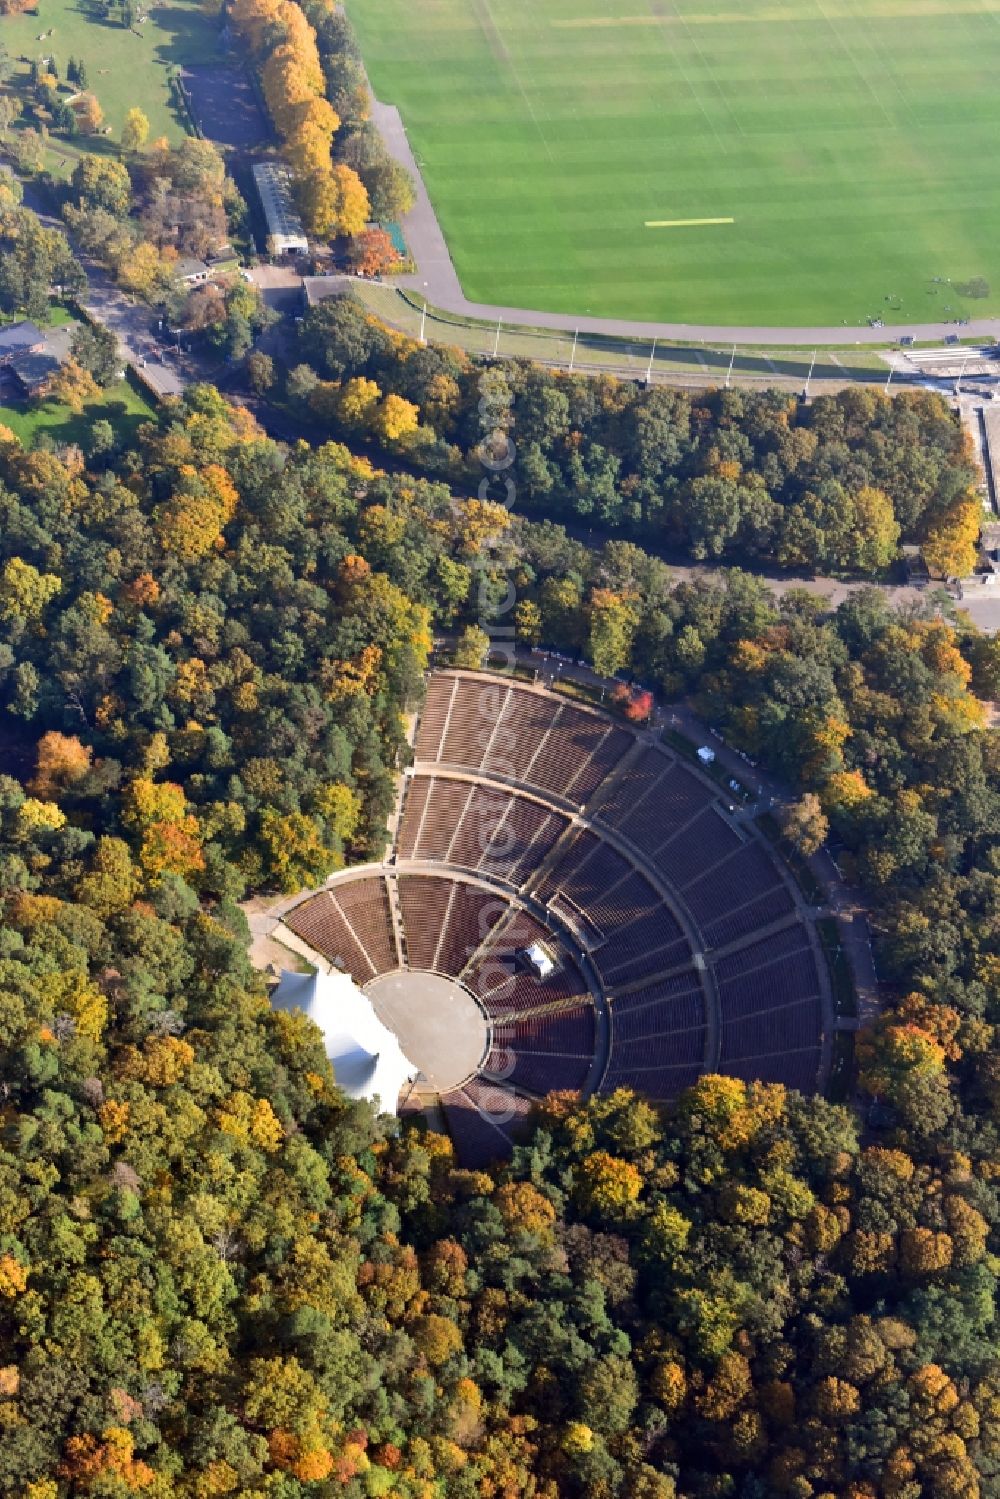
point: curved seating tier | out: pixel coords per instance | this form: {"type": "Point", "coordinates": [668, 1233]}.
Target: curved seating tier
{"type": "Point", "coordinates": [351, 926]}
{"type": "Point", "coordinates": [679, 939]}
{"type": "Point", "coordinates": [484, 724]}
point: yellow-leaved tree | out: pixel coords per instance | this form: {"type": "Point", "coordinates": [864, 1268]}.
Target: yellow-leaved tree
{"type": "Point", "coordinates": [135, 130]}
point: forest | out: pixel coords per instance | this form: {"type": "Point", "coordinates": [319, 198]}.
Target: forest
{"type": "Point", "coordinates": [220, 1277]}
{"type": "Point", "coordinates": [836, 486]}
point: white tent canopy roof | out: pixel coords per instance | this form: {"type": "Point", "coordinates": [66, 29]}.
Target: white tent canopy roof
{"type": "Point", "coordinates": [368, 1061]}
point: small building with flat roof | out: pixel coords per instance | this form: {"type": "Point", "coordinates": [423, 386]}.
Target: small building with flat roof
{"type": "Point", "coordinates": [539, 960]}
{"type": "Point", "coordinates": [316, 289]}
{"type": "Point", "coordinates": [191, 270]}
{"type": "Point", "coordinates": [35, 366]}
{"type": "Point", "coordinates": [285, 234]}
{"type": "Point", "coordinates": [19, 338]}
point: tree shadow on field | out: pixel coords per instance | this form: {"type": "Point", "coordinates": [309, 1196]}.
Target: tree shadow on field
{"type": "Point", "coordinates": [186, 35]}
{"type": "Point", "coordinates": [17, 748]}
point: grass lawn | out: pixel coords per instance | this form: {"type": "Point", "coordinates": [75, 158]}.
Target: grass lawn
{"type": "Point", "coordinates": [121, 404]}
{"type": "Point", "coordinates": [850, 142]}
{"type": "Point", "coordinates": [57, 316]}
{"type": "Point", "coordinates": [123, 69]}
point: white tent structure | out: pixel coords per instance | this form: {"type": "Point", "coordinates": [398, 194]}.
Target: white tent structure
{"type": "Point", "coordinates": [368, 1061]}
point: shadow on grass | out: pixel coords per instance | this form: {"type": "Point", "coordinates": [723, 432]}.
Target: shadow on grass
{"type": "Point", "coordinates": [125, 66]}
{"type": "Point", "coordinates": [125, 409]}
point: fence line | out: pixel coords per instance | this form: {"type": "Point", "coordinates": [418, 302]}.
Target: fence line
{"type": "Point", "coordinates": [695, 365]}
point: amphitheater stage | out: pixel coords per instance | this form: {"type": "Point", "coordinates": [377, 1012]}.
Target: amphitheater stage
{"type": "Point", "coordinates": [439, 1025]}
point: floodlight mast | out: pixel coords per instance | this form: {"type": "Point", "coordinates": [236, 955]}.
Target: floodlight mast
{"type": "Point", "coordinates": [729, 371]}
{"type": "Point", "coordinates": [572, 357]}
{"type": "Point", "coordinates": [649, 367]}
{"type": "Point", "coordinates": [961, 376]}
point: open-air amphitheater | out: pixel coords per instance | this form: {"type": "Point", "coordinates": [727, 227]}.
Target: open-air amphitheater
{"type": "Point", "coordinates": [673, 939]}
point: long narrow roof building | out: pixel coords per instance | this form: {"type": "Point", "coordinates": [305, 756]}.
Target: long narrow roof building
{"type": "Point", "coordinates": [285, 234]}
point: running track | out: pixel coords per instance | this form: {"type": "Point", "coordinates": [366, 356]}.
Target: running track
{"type": "Point", "coordinates": [438, 282]}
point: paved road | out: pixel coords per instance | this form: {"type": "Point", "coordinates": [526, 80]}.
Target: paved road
{"type": "Point", "coordinates": [138, 338]}
{"type": "Point", "coordinates": [132, 321]}
{"type": "Point", "coordinates": [981, 603]}
{"type": "Point", "coordinates": [437, 280]}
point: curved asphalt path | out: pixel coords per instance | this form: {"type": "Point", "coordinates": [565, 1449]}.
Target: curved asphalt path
{"type": "Point", "coordinates": [437, 281]}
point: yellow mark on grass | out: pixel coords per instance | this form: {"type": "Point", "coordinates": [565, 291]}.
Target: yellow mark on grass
{"type": "Point", "coordinates": [683, 223]}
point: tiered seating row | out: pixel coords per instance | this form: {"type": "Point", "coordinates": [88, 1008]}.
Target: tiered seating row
{"type": "Point", "coordinates": [473, 719]}
{"type": "Point", "coordinates": [637, 781]}
{"type": "Point", "coordinates": [665, 1008]}
{"type": "Point", "coordinates": [696, 848]}
{"type": "Point", "coordinates": [320, 922]}
{"type": "Point", "coordinates": [537, 1072]}
{"type": "Point", "coordinates": [540, 1074]}
{"type": "Point", "coordinates": [365, 903]}
{"type": "Point", "coordinates": [424, 902]}
{"type": "Point", "coordinates": [476, 826]}
{"type": "Point", "coordinates": [483, 811]}
{"type": "Point", "coordinates": [641, 934]}
{"type": "Point", "coordinates": [434, 717]}
{"type": "Point", "coordinates": [473, 915]}
{"type": "Point", "coordinates": [789, 1027]}
{"type": "Point", "coordinates": [446, 804]}
{"type": "Point", "coordinates": [749, 872]}
{"type": "Point", "coordinates": [522, 840]}
{"type": "Point", "coordinates": [565, 874]}
{"type": "Point", "coordinates": [484, 1120]}
{"type": "Point", "coordinates": [656, 1051]}
{"type": "Point", "coordinates": [664, 992]}
{"type": "Point", "coordinates": [416, 791]}
{"type": "Point", "coordinates": [493, 966]}
{"type": "Point", "coordinates": [739, 921]}
{"type": "Point", "coordinates": [351, 926]}
{"type": "Point", "coordinates": [781, 983]}
{"type": "Point", "coordinates": [771, 1014]}
{"type": "Point", "coordinates": [595, 885]}
{"type": "Point", "coordinates": [760, 954]}
{"type": "Point", "coordinates": [507, 730]}
{"type": "Point", "coordinates": [651, 944]}
{"type": "Point", "coordinates": [796, 1069]}
{"type": "Point", "coordinates": [631, 900]}
{"type": "Point", "coordinates": [565, 1032]}
{"type": "Point", "coordinates": [605, 757]}
{"type": "Point", "coordinates": [673, 801]}
{"type": "Point", "coordinates": [663, 1031]}
{"type": "Point", "coordinates": [661, 1084]}
{"type": "Point", "coordinates": [526, 720]}
{"type": "Point", "coordinates": [505, 987]}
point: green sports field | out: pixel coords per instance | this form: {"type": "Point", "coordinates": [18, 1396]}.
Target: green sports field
{"type": "Point", "coordinates": [124, 68]}
{"type": "Point", "coordinates": [854, 144]}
